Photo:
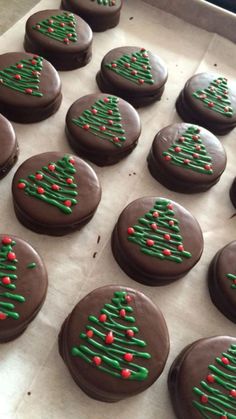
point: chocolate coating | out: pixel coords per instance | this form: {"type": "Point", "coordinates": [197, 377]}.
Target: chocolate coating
{"type": "Point", "coordinates": [31, 283]}
{"type": "Point", "coordinates": [152, 329]}
{"type": "Point", "coordinates": [196, 111]}
{"type": "Point", "coordinates": [233, 193]}
{"type": "Point", "coordinates": [25, 108]}
{"type": "Point", "coordinates": [189, 369]}
{"type": "Point", "coordinates": [178, 178]}
{"type": "Point", "coordinates": [147, 269]}
{"type": "Point", "coordinates": [44, 218]}
{"type": "Point", "coordinates": [222, 293]}
{"type": "Point", "coordinates": [136, 94]}
{"type": "Point", "coordinates": [63, 56]}
{"type": "Point", "coordinates": [95, 149]}
{"type": "Point", "coordinates": [98, 16]}
{"type": "Point", "coordinates": [8, 146]}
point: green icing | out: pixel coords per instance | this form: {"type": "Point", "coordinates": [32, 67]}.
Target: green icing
{"type": "Point", "coordinates": [135, 67]}
{"type": "Point", "coordinates": [106, 2]}
{"type": "Point", "coordinates": [216, 97]}
{"type": "Point", "coordinates": [233, 279]}
{"type": "Point", "coordinates": [112, 357]}
{"type": "Point", "coordinates": [217, 393]}
{"type": "Point", "coordinates": [8, 273]}
{"type": "Point", "coordinates": [157, 233]}
{"type": "Point", "coordinates": [31, 265]}
{"type": "Point", "coordinates": [53, 184]}
{"type": "Point", "coordinates": [60, 27]}
{"type": "Point", "coordinates": [103, 120]}
{"type": "Point", "coordinates": [189, 152]}
{"type": "Point", "coordinates": [23, 76]}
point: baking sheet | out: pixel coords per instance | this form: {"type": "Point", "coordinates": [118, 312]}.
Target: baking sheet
{"type": "Point", "coordinates": [35, 384]}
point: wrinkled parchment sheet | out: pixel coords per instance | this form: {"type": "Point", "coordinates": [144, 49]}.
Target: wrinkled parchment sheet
{"type": "Point", "coordinates": [35, 384]}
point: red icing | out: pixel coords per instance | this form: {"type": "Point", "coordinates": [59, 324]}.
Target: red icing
{"type": "Point", "coordinates": [40, 190]}
{"type": "Point", "coordinates": [181, 248]}
{"type": "Point", "coordinates": [170, 206]}
{"type": "Point", "coordinates": [204, 399]}
{"type": "Point", "coordinates": [69, 181]}
{"type": "Point", "coordinates": [141, 81]}
{"type": "Point", "coordinates": [38, 176]}
{"type": "Point", "coordinates": [171, 222]}
{"type": "Point", "coordinates": [55, 187]}
{"type": "Point", "coordinates": [89, 333]}
{"type": "Point", "coordinates": [211, 104]}
{"type": "Point", "coordinates": [210, 378]}
{"type": "Point", "coordinates": [130, 333]}
{"type": "Point", "coordinates": [166, 252]}
{"type": "Point", "coordinates": [67, 203]}
{"type": "Point", "coordinates": [51, 167]}
{"type": "Point", "coordinates": [109, 339]}
{"type": "Point", "coordinates": [102, 318]}
{"type": "Point", "coordinates": [102, 128]}
{"type": "Point", "coordinates": [86, 127]}
{"type": "Point", "coordinates": [6, 240]}
{"type": "Point", "coordinates": [125, 373]}
{"type": "Point", "coordinates": [167, 237]}
{"type": "Point", "coordinates": [155, 214]}
{"type": "Point", "coordinates": [128, 298]}
{"type": "Point", "coordinates": [17, 76]}
{"type": "Point", "coordinates": [128, 357]}
{"type": "Point", "coordinates": [154, 226]}
{"type": "Point", "coordinates": [29, 91]}
{"type": "Point", "coordinates": [233, 393]}
{"type": "Point", "coordinates": [11, 256]}
{"type": "Point", "coordinates": [21, 185]}
{"type": "Point", "coordinates": [225, 361]}
{"type": "Point", "coordinates": [19, 66]}
{"type": "Point", "coordinates": [3, 316]}
{"type": "Point", "coordinates": [177, 149]}
{"type": "Point", "coordinates": [130, 230]}
{"type": "Point", "coordinates": [6, 280]}
{"type": "Point", "coordinates": [72, 161]}
{"type": "Point", "coordinates": [122, 312]}
{"type": "Point", "coordinates": [97, 360]}
{"type": "Point", "coordinates": [150, 242]}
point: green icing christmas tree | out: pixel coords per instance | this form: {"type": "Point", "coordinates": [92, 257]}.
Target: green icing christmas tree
{"type": "Point", "coordinates": [134, 67]}
{"type": "Point", "coordinates": [53, 184]}
{"type": "Point", "coordinates": [157, 233]}
{"type": "Point", "coordinates": [8, 276]}
{"type": "Point", "coordinates": [217, 392]}
{"type": "Point", "coordinates": [23, 76]}
{"type": "Point", "coordinates": [189, 152]}
{"type": "Point", "coordinates": [105, 2]}
{"type": "Point", "coordinates": [60, 27]}
{"type": "Point", "coordinates": [103, 120]}
{"type": "Point", "coordinates": [216, 97]}
{"type": "Point", "coordinates": [232, 277]}
{"type": "Point", "coordinates": [109, 342]}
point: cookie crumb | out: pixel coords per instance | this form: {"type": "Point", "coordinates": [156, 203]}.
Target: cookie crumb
{"type": "Point", "coordinates": [98, 239]}
{"type": "Point", "coordinates": [95, 254]}
{"type": "Point", "coordinates": [131, 18]}
{"type": "Point", "coordinates": [215, 65]}
{"type": "Point", "coordinates": [29, 393]}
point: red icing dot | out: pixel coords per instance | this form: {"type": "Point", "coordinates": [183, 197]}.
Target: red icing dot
{"type": "Point", "coordinates": [38, 176]}
{"type": "Point", "coordinates": [186, 161]}
{"type": "Point", "coordinates": [142, 49]}
{"type": "Point", "coordinates": [225, 360]}
{"type": "Point", "coordinates": [155, 214]}
{"type": "Point", "coordinates": [181, 139]}
{"type": "Point", "coordinates": [62, 24]}
{"type": "Point", "coordinates": [130, 230]}
{"type": "Point", "coordinates": [171, 223]}
{"type": "Point", "coordinates": [40, 190]}
{"type": "Point", "coordinates": [69, 35]}
{"type": "Point", "coordinates": [181, 248]}
{"type": "Point", "coordinates": [102, 318]}
{"type": "Point", "coordinates": [102, 128]}
{"type": "Point", "coordinates": [127, 65]}
{"type": "Point", "coordinates": [167, 237]}
{"type": "Point", "coordinates": [125, 373]}
{"type": "Point", "coordinates": [50, 21]}
{"type": "Point", "coordinates": [128, 298]}
{"type": "Point", "coordinates": [122, 312]}
{"type": "Point", "coordinates": [203, 96]}
{"type": "Point", "coordinates": [150, 242]}
{"type": "Point", "coordinates": [51, 167]}
{"type": "Point", "coordinates": [207, 167]}
{"type": "Point", "coordinates": [223, 417]}
{"type": "Point", "coordinates": [195, 137]}
{"type": "Point", "coordinates": [35, 73]}
{"type": "Point", "coordinates": [233, 393]}
{"type": "Point", "coordinates": [134, 72]}
{"type": "Point", "coordinates": [89, 333]}
{"type": "Point", "coordinates": [210, 104]}
{"type": "Point", "coordinates": [177, 149]}
{"type": "Point", "coordinates": [86, 127]}
{"type": "Point", "coordinates": [170, 206]}
{"type": "Point", "coordinates": [210, 378]}
{"type": "Point", "coordinates": [6, 280]}
{"type": "Point", "coordinates": [167, 158]}
{"type": "Point", "coordinates": [166, 252]}
{"type": "Point", "coordinates": [71, 160]}
{"type": "Point", "coordinates": [67, 203]}
{"type": "Point", "coordinates": [144, 67]}
{"type": "Point", "coordinates": [226, 109]}
{"type": "Point", "coordinates": [196, 155]}
{"type": "Point", "coordinates": [154, 226]}
{"type": "Point", "coordinates": [55, 187]}
{"type": "Point", "coordinates": [109, 339]}
{"type": "Point", "coordinates": [110, 122]}
{"type": "Point", "coordinates": [6, 240]}
{"type": "Point", "coordinates": [17, 76]}
{"type": "Point", "coordinates": [19, 66]}
{"type": "Point", "coordinates": [94, 111]}
{"type": "Point", "coordinates": [11, 256]}
{"type": "Point", "coordinates": [133, 59]}
{"type": "Point", "coordinates": [50, 30]}
{"type": "Point", "coordinates": [128, 357]}
{"type": "Point", "coordinates": [29, 91]}
{"type": "Point", "coordinates": [97, 360]}
{"type": "Point", "coordinates": [116, 139]}
{"type": "Point", "coordinates": [110, 112]}
{"type": "Point", "coordinates": [219, 97]}
{"type": "Point", "coordinates": [21, 185]}
{"type": "Point", "coordinates": [114, 65]}
{"type": "Point", "coordinates": [33, 62]}
{"type": "Point", "coordinates": [3, 316]}
{"type": "Point", "coordinates": [145, 55]}
{"type": "Point", "coordinates": [141, 81]}
{"type": "Point", "coordinates": [130, 333]}
{"type": "Point", "coordinates": [66, 40]}
{"type": "Point", "coordinates": [204, 399]}
{"type": "Point", "coordinates": [69, 181]}
{"type": "Point", "coordinates": [106, 99]}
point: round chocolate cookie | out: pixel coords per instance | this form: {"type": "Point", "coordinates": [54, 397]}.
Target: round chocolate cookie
{"type": "Point", "coordinates": [61, 37]}
{"type": "Point", "coordinates": [100, 14]}
{"type": "Point", "coordinates": [156, 241]}
{"type": "Point", "coordinates": [232, 193]}
{"type": "Point", "coordinates": [30, 87]}
{"type": "Point", "coordinates": [23, 285]}
{"type": "Point", "coordinates": [55, 194]}
{"type": "Point", "coordinates": [133, 73]}
{"type": "Point", "coordinates": [186, 158]}
{"type": "Point", "coordinates": [8, 146]}
{"type": "Point", "coordinates": [202, 379]}
{"type": "Point", "coordinates": [222, 280]}
{"type": "Point", "coordinates": [102, 128]}
{"type": "Point", "coordinates": [209, 100]}
{"type": "Point", "coordinates": [115, 343]}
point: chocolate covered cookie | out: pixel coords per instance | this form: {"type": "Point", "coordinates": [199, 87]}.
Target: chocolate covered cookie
{"type": "Point", "coordinates": [209, 100]}
{"type": "Point", "coordinates": [30, 87]}
{"type": "Point", "coordinates": [102, 128]}
{"type": "Point", "coordinates": [222, 280]}
{"type": "Point", "coordinates": [133, 73]}
{"type": "Point", "coordinates": [156, 241]}
{"type": "Point", "coordinates": [8, 146]}
{"type": "Point", "coordinates": [233, 193]}
{"type": "Point", "coordinates": [186, 158]}
{"type": "Point", "coordinates": [55, 194]}
{"type": "Point", "coordinates": [61, 37]}
{"type": "Point", "coordinates": [202, 379]}
{"type": "Point", "coordinates": [23, 286]}
{"type": "Point", "coordinates": [115, 343]}
{"type": "Point", "coordinates": [100, 14]}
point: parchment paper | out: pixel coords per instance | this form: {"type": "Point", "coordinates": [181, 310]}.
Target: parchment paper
{"type": "Point", "coordinates": [35, 384]}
